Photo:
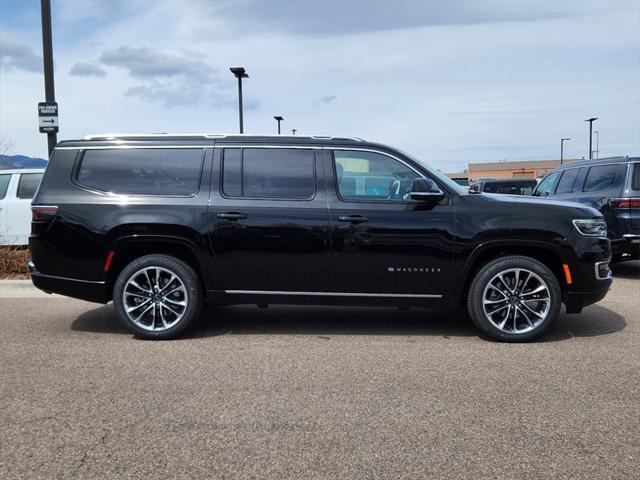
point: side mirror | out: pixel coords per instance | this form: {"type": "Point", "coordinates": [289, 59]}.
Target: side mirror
{"type": "Point", "coordinates": [426, 190]}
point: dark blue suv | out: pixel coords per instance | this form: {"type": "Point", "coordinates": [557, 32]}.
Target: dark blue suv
{"type": "Point", "coordinates": [611, 185]}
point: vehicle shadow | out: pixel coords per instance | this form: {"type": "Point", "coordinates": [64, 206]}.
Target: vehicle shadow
{"type": "Point", "coordinates": [323, 321]}
{"type": "Point", "coordinates": [630, 269]}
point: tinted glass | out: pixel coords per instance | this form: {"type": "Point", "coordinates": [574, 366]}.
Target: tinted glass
{"type": "Point", "coordinates": [231, 178]}
{"type": "Point", "coordinates": [509, 188]}
{"type": "Point", "coordinates": [269, 173]}
{"type": "Point", "coordinates": [600, 177]}
{"type": "Point", "coordinates": [635, 180]}
{"type": "Point", "coordinates": [372, 176]}
{"type": "Point", "coordinates": [28, 185]}
{"type": "Point", "coordinates": [544, 187]}
{"type": "Point", "coordinates": [568, 178]}
{"type": "Point", "coordinates": [4, 184]}
{"type": "Point", "coordinates": [171, 171]}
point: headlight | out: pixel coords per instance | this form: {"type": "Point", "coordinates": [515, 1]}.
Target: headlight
{"type": "Point", "coordinates": [593, 227]}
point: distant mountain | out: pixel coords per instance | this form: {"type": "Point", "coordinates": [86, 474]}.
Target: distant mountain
{"type": "Point", "coordinates": [21, 161]}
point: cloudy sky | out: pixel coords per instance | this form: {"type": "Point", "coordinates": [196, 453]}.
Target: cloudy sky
{"type": "Point", "coordinates": [451, 82]}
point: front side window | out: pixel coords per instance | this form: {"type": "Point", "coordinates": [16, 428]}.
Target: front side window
{"type": "Point", "coordinates": [544, 188]}
{"type": "Point", "coordinates": [169, 171]}
{"type": "Point", "coordinates": [268, 173]}
{"type": "Point", "coordinates": [600, 178]}
{"type": "Point", "coordinates": [28, 185]}
{"type": "Point", "coordinates": [5, 178]}
{"type": "Point", "coordinates": [568, 178]}
{"type": "Point", "coordinates": [372, 176]}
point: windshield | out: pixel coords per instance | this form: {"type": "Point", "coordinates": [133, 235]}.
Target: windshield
{"type": "Point", "coordinates": [440, 176]}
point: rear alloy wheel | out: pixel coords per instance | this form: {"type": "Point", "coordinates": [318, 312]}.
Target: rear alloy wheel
{"type": "Point", "coordinates": [514, 299]}
{"type": "Point", "coordinates": [157, 296]}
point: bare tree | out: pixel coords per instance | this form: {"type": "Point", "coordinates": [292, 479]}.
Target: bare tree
{"type": "Point", "coordinates": [6, 146]}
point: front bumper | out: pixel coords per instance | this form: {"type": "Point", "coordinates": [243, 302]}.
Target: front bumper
{"type": "Point", "coordinates": [91, 291]}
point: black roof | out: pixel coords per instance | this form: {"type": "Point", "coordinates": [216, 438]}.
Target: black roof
{"type": "Point", "coordinates": [206, 139]}
{"type": "Point", "coordinates": [598, 161]}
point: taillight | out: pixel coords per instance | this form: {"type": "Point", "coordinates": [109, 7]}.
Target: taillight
{"type": "Point", "coordinates": [43, 214]}
{"type": "Point", "coordinates": [625, 202]}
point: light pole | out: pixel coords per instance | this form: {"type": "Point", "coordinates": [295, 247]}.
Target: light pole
{"type": "Point", "coordinates": [293, 131]}
{"type": "Point", "coordinates": [47, 57]}
{"type": "Point", "coordinates": [597, 150]}
{"type": "Point", "coordinates": [239, 73]}
{"type": "Point", "coordinates": [562, 140]}
{"type": "Point", "coordinates": [279, 118]}
{"type": "Point", "coordinates": [591, 120]}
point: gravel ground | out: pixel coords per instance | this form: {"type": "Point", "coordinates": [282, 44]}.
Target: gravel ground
{"type": "Point", "coordinates": [319, 392]}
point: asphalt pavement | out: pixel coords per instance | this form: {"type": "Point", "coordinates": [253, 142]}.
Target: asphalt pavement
{"type": "Point", "coordinates": [319, 392]}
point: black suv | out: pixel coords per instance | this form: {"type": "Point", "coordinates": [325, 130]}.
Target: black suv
{"type": "Point", "coordinates": [162, 223]}
{"type": "Point", "coordinates": [611, 185]}
{"type": "Point", "coordinates": [508, 187]}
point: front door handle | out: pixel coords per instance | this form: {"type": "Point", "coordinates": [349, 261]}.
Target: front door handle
{"type": "Point", "coordinates": [232, 215]}
{"type": "Point", "coordinates": [353, 218]}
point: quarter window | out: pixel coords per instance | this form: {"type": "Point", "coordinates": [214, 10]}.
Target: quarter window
{"type": "Point", "coordinates": [28, 185]}
{"type": "Point", "coordinates": [372, 176]}
{"type": "Point", "coordinates": [600, 177]}
{"type": "Point", "coordinates": [544, 187]}
{"type": "Point", "coordinates": [4, 184]}
{"type": "Point", "coordinates": [170, 171]}
{"type": "Point", "coordinates": [568, 178]}
{"type": "Point", "coordinates": [635, 181]}
{"type": "Point", "coordinates": [268, 173]}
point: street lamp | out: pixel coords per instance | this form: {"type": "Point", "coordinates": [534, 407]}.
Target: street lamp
{"type": "Point", "coordinates": [562, 140]}
{"type": "Point", "coordinates": [239, 73]}
{"type": "Point", "coordinates": [597, 150]}
{"type": "Point", "coordinates": [591, 120]}
{"type": "Point", "coordinates": [279, 118]}
{"type": "Point", "coordinates": [294, 130]}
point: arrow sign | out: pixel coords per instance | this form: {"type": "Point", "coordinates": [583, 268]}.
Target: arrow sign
{"type": "Point", "coordinates": [48, 117]}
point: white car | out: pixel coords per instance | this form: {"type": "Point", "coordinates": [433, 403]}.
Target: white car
{"type": "Point", "coordinates": [17, 188]}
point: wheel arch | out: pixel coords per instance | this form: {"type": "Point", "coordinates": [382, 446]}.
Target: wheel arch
{"type": "Point", "coordinates": [127, 249]}
{"type": "Point", "coordinates": [550, 255]}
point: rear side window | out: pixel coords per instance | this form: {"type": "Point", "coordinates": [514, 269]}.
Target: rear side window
{"type": "Point", "coordinates": [268, 173]}
{"type": "Point", "coordinates": [544, 187]}
{"type": "Point", "coordinates": [28, 185]}
{"type": "Point", "coordinates": [635, 179]}
{"type": "Point", "coordinates": [600, 178]}
{"type": "Point", "coordinates": [567, 180]}
{"type": "Point", "coordinates": [170, 171]}
{"type": "Point", "coordinates": [4, 184]}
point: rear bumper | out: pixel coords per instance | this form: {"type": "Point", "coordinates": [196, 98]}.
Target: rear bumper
{"type": "Point", "coordinates": [91, 291]}
{"type": "Point", "coordinates": [629, 244]}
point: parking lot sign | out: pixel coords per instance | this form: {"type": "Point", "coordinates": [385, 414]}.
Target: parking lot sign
{"type": "Point", "coordinates": [48, 117]}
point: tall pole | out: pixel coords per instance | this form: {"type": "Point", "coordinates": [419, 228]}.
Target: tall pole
{"type": "Point", "coordinates": [293, 131]}
{"type": "Point", "coordinates": [278, 118]}
{"type": "Point", "coordinates": [562, 140]}
{"type": "Point", "coordinates": [240, 104]}
{"type": "Point", "coordinates": [591, 120]}
{"type": "Point", "coordinates": [47, 57]}
{"type": "Point", "coordinates": [240, 73]}
{"type": "Point", "coordinates": [597, 150]}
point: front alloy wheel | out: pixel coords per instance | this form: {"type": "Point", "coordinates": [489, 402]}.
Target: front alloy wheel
{"type": "Point", "coordinates": [514, 298]}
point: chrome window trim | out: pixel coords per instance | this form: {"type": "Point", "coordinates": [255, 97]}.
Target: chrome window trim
{"type": "Point", "coordinates": [330, 294]}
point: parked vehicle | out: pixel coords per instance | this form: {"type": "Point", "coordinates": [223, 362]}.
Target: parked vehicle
{"type": "Point", "coordinates": [610, 185]}
{"type": "Point", "coordinates": [509, 187]}
{"type": "Point", "coordinates": [17, 188]}
{"type": "Point", "coordinates": [158, 224]}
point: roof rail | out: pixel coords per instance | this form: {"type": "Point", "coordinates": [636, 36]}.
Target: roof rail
{"type": "Point", "coordinates": [99, 136]}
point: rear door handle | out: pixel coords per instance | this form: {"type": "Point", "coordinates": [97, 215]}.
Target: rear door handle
{"type": "Point", "coordinates": [232, 215]}
{"type": "Point", "coordinates": [353, 218]}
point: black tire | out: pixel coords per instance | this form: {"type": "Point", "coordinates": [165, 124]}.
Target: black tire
{"type": "Point", "coordinates": [188, 291]}
{"type": "Point", "coordinates": [534, 325]}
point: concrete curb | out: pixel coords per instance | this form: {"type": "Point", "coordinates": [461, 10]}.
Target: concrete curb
{"type": "Point", "coordinates": [20, 289]}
